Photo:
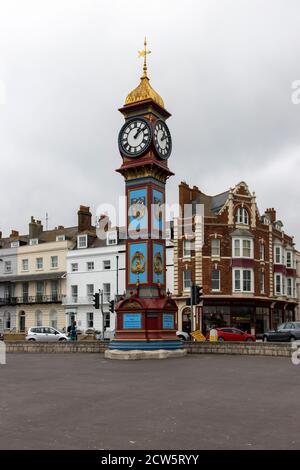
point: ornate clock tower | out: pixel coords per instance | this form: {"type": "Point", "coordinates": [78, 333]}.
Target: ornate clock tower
{"type": "Point", "coordinates": [146, 315]}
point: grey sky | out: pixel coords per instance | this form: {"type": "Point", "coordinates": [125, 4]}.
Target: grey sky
{"type": "Point", "coordinates": [223, 67]}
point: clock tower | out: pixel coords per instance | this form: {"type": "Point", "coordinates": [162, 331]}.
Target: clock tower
{"type": "Point", "coordinates": [147, 314]}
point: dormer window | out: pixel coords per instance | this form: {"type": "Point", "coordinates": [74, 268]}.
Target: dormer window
{"type": "Point", "coordinates": [242, 216]}
{"type": "Point", "coordinates": [60, 238]}
{"type": "Point", "coordinates": [112, 238]}
{"type": "Point", "coordinates": [33, 241]}
{"type": "Point", "coordinates": [82, 241]}
{"type": "Point", "coordinates": [15, 244]}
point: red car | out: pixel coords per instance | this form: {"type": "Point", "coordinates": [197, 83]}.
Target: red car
{"type": "Point", "coordinates": [232, 334]}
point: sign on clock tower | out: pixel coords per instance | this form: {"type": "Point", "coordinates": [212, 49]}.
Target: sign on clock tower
{"type": "Point", "coordinates": [146, 315]}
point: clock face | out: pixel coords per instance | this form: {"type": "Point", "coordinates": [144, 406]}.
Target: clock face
{"type": "Point", "coordinates": [162, 139]}
{"type": "Point", "coordinates": [135, 137]}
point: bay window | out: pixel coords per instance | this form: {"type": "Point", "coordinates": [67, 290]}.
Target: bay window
{"type": "Point", "coordinates": [242, 248]}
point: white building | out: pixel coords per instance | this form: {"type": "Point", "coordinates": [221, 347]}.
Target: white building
{"type": "Point", "coordinates": [8, 268]}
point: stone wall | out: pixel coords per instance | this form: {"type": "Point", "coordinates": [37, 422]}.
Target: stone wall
{"type": "Point", "coordinates": [253, 349]}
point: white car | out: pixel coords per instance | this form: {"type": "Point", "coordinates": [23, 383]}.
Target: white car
{"type": "Point", "coordinates": [183, 335]}
{"type": "Point", "coordinates": [45, 334]}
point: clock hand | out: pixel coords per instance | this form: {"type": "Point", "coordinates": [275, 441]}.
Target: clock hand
{"type": "Point", "coordinates": [164, 137]}
{"type": "Point", "coordinates": [137, 133]}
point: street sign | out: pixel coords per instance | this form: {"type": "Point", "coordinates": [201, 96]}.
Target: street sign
{"type": "Point", "coordinates": [198, 335]}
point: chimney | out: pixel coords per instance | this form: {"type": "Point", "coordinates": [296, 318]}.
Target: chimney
{"type": "Point", "coordinates": [14, 234]}
{"type": "Point", "coordinates": [84, 218]}
{"type": "Point", "coordinates": [60, 227]}
{"type": "Point", "coordinates": [271, 212]}
{"type": "Point", "coordinates": [35, 228]}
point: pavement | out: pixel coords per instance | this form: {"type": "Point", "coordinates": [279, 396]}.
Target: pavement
{"type": "Point", "coordinates": [83, 401]}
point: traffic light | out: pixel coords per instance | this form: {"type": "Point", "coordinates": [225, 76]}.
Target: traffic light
{"type": "Point", "coordinates": [96, 301]}
{"type": "Point", "coordinates": [111, 304]}
{"type": "Point", "coordinates": [196, 294]}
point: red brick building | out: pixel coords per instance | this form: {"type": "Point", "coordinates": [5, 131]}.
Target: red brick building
{"type": "Point", "coordinates": [244, 261]}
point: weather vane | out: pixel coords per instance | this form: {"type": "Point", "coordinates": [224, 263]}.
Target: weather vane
{"type": "Point", "coordinates": [144, 54]}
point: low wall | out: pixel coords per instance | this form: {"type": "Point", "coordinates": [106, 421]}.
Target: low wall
{"type": "Point", "coordinates": [59, 347]}
{"type": "Point", "coordinates": [242, 348]}
{"type": "Point", "coordinates": [253, 349]}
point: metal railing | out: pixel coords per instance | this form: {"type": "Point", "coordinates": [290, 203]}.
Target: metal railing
{"type": "Point", "coordinates": [31, 299]}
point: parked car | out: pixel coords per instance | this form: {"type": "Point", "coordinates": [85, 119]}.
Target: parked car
{"type": "Point", "coordinates": [183, 335]}
{"type": "Point", "coordinates": [233, 334]}
{"type": "Point", "coordinates": [45, 333]}
{"type": "Point", "coordinates": [288, 331]}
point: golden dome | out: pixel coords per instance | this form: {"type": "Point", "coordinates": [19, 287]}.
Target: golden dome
{"type": "Point", "coordinates": [144, 90]}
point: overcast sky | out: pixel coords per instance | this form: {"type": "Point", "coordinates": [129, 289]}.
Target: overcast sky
{"type": "Point", "coordinates": [224, 68]}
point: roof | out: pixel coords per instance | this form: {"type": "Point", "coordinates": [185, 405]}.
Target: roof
{"type": "Point", "coordinates": [33, 277]}
{"type": "Point", "coordinates": [218, 201]}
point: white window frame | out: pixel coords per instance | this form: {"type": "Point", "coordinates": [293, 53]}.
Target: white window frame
{"type": "Point", "coordinates": [187, 248]}
{"type": "Point", "coordinates": [277, 254]}
{"type": "Point", "coordinates": [262, 282]}
{"type": "Point", "coordinates": [215, 250]}
{"type": "Point", "coordinates": [74, 293]}
{"type": "Point", "coordinates": [90, 265]}
{"type": "Point", "coordinates": [15, 244]}
{"type": "Point", "coordinates": [106, 264]}
{"type": "Point", "coordinates": [261, 251]}
{"type": "Point", "coordinates": [289, 259]}
{"type": "Point", "coordinates": [90, 320]}
{"type": "Point", "coordinates": [106, 291]}
{"type": "Point", "coordinates": [185, 286]}
{"type": "Point", "coordinates": [81, 242]}
{"type": "Point", "coordinates": [25, 264]}
{"type": "Point", "coordinates": [73, 266]}
{"type": "Point", "coordinates": [54, 265]}
{"type": "Point", "coordinates": [60, 238]}
{"type": "Point", "coordinates": [33, 241]}
{"type": "Point", "coordinates": [242, 216]}
{"type": "Point", "coordinates": [290, 287]}
{"type": "Point", "coordinates": [90, 289]}
{"type": "Point", "coordinates": [238, 247]}
{"type": "Point", "coordinates": [112, 238]}
{"type": "Point", "coordinates": [241, 280]}
{"type": "Point", "coordinates": [39, 263]}
{"type": "Point", "coordinates": [216, 280]}
{"type": "Point", "coordinates": [278, 276]}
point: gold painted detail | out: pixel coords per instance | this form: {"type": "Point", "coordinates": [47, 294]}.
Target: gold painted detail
{"type": "Point", "coordinates": [158, 264]}
{"type": "Point", "coordinates": [138, 263]}
{"type": "Point", "coordinates": [143, 172]}
{"type": "Point", "coordinates": [144, 90]}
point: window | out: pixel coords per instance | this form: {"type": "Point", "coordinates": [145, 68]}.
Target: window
{"type": "Point", "coordinates": [215, 247]}
{"type": "Point", "coordinates": [277, 255]}
{"type": "Point", "coordinates": [53, 319]}
{"type": "Point", "coordinates": [33, 241]}
{"type": "Point", "coordinates": [7, 267]}
{"type": "Point", "coordinates": [60, 238]}
{"type": "Point", "coordinates": [74, 267]}
{"type": "Point", "coordinates": [25, 265]}
{"type": "Point", "coordinates": [74, 293]}
{"type": "Point", "coordinates": [289, 259]}
{"type": "Point", "coordinates": [7, 320]}
{"type": "Point", "coordinates": [39, 263]}
{"type": "Point", "coordinates": [262, 282]}
{"type": "Point", "coordinates": [216, 280]}
{"type": "Point", "coordinates": [278, 287]}
{"type": "Point", "coordinates": [242, 280]}
{"type": "Point", "coordinates": [90, 320]}
{"type": "Point", "coordinates": [242, 248]}
{"type": "Point", "coordinates": [90, 291]}
{"type": "Point", "coordinates": [38, 318]}
{"type": "Point", "coordinates": [15, 244]}
{"type": "Point", "coordinates": [112, 238]}
{"type": "Point", "coordinates": [106, 264]}
{"type": "Point", "coordinates": [107, 320]}
{"type": "Point", "coordinates": [54, 290]}
{"type": "Point", "coordinates": [90, 265]}
{"type": "Point", "coordinates": [187, 248]}
{"type": "Point", "coordinates": [237, 251]}
{"type": "Point", "coordinates": [246, 248]}
{"type": "Point", "coordinates": [187, 279]}
{"type": "Point", "coordinates": [261, 251]}
{"type": "Point", "coordinates": [54, 261]}
{"type": "Point", "coordinates": [242, 216]}
{"type": "Point", "coordinates": [40, 290]}
{"type": "Point", "coordinates": [82, 241]}
{"type": "Point", "coordinates": [290, 287]}
{"type": "Point", "coordinates": [106, 292]}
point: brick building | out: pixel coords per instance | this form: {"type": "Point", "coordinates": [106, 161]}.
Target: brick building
{"type": "Point", "coordinates": [244, 261]}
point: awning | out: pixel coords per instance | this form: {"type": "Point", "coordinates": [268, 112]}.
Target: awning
{"type": "Point", "coordinates": [33, 277]}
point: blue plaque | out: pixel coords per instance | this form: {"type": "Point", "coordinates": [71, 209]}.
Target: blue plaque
{"type": "Point", "coordinates": [132, 320]}
{"type": "Point", "coordinates": [168, 321]}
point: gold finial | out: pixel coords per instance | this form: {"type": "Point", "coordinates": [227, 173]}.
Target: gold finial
{"type": "Point", "coordinates": [144, 54]}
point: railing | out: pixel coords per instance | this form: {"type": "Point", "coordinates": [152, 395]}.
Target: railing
{"type": "Point", "coordinates": [31, 299]}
